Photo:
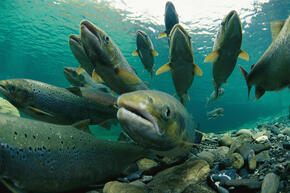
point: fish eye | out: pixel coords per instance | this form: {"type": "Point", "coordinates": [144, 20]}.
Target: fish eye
{"type": "Point", "coordinates": [107, 39]}
{"type": "Point", "coordinates": [166, 112]}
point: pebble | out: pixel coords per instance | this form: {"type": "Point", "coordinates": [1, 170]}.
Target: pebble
{"type": "Point", "coordinates": [239, 141]}
{"type": "Point", "coordinates": [177, 178]}
{"type": "Point", "coordinates": [252, 163]}
{"type": "Point", "coordinates": [248, 183]}
{"type": "Point", "coordinates": [146, 164]}
{"type": "Point", "coordinates": [244, 132]}
{"type": "Point", "coordinates": [237, 160]}
{"type": "Point", "coordinates": [262, 139]}
{"type": "Point", "coordinates": [226, 141]}
{"type": "Point", "coordinates": [270, 183]}
{"type": "Point", "coordinates": [207, 156]}
{"type": "Point", "coordinates": [286, 131]}
{"type": "Point", "coordinates": [114, 187]}
{"type": "Point", "coordinates": [221, 152]}
{"type": "Point", "coordinates": [194, 188]}
{"type": "Point", "coordinates": [262, 156]}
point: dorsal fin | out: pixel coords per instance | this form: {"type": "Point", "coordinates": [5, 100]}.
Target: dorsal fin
{"type": "Point", "coordinates": [276, 27]}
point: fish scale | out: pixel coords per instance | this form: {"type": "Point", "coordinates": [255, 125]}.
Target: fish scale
{"type": "Point", "coordinates": [43, 157]}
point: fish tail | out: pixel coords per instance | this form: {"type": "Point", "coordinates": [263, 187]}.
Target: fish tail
{"type": "Point", "coordinates": [245, 75]}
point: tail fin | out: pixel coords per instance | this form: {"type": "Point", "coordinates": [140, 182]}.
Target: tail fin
{"type": "Point", "coordinates": [245, 74]}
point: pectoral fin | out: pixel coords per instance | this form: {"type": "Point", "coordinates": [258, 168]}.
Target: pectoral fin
{"type": "Point", "coordinates": [212, 56]}
{"type": "Point", "coordinates": [97, 78]}
{"type": "Point", "coordinates": [135, 53]}
{"type": "Point", "coordinates": [83, 125]}
{"type": "Point", "coordinates": [80, 70]}
{"type": "Point", "coordinates": [128, 77]}
{"type": "Point", "coordinates": [276, 27]}
{"type": "Point", "coordinates": [244, 55]}
{"type": "Point", "coordinates": [259, 92]}
{"type": "Point", "coordinates": [75, 90]}
{"type": "Point", "coordinates": [39, 112]}
{"type": "Point", "coordinates": [162, 35]}
{"type": "Point", "coordinates": [197, 70]}
{"type": "Point", "coordinates": [154, 52]}
{"type": "Point", "coordinates": [164, 68]}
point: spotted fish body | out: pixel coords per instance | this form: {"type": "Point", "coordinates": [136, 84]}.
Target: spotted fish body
{"type": "Point", "coordinates": [43, 157]}
{"type": "Point", "coordinates": [53, 104]}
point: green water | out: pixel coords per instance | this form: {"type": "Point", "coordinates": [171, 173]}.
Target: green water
{"type": "Point", "coordinates": [34, 44]}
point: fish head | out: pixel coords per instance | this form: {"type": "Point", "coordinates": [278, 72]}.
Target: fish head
{"type": "Point", "coordinates": [142, 37]}
{"type": "Point", "coordinates": [72, 75]}
{"type": "Point", "coordinates": [75, 44]}
{"type": "Point", "coordinates": [152, 118]}
{"type": "Point", "coordinates": [231, 27]}
{"type": "Point", "coordinates": [97, 43]}
{"type": "Point", "coordinates": [179, 39]}
{"type": "Point", "coordinates": [16, 91]}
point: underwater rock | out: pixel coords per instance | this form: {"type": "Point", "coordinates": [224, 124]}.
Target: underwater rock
{"type": "Point", "coordinates": [207, 156]}
{"type": "Point", "coordinates": [262, 156]}
{"type": "Point", "coordinates": [260, 147]}
{"type": "Point", "coordinates": [218, 179]}
{"type": "Point", "coordinates": [114, 187]}
{"type": "Point", "coordinates": [286, 131]}
{"type": "Point", "coordinates": [252, 163]}
{"type": "Point", "coordinates": [262, 133]}
{"type": "Point", "coordinates": [244, 183]}
{"type": "Point", "coordinates": [146, 164]}
{"type": "Point", "coordinates": [240, 141]}
{"type": "Point", "coordinates": [226, 140]}
{"type": "Point", "coordinates": [270, 183]}
{"type": "Point", "coordinates": [221, 152]}
{"type": "Point", "coordinates": [237, 160]}
{"type": "Point", "coordinates": [177, 178]}
{"type": "Point", "coordinates": [244, 132]}
{"type": "Point", "coordinates": [262, 139]}
{"type": "Point", "coordinates": [286, 145]}
{"type": "Point", "coordinates": [194, 188]}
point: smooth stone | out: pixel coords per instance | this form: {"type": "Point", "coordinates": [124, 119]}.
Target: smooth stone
{"type": "Point", "coordinates": [177, 178]}
{"type": "Point", "coordinates": [237, 160]}
{"type": "Point", "coordinates": [286, 131]}
{"type": "Point", "coordinates": [146, 179]}
{"type": "Point", "coordinates": [262, 133]}
{"type": "Point", "coordinates": [286, 145]}
{"type": "Point", "coordinates": [260, 147]}
{"type": "Point", "coordinates": [280, 135]}
{"type": "Point", "coordinates": [274, 130]}
{"type": "Point", "coordinates": [239, 141]}
{"type": "Point", "coordinates": [114, 187]}
{"type": "Point", "coordinates": [244, 132]}
{"type": "Point", "coordinates": [249, 183]}
{"type": "Point", "coordinates": [194, 188]}
{"type": "Point", "coordinates": [138, 183]}
{"type": "Point", "coordinates": [262, 156]}
{"type": "Point", "coordinates": [221, 152]}
{"type": "Point", "coordinates": [262, 139]}
{"type": "Point", "coordinates": [252, 163]}
{"type": "Point", "coordinates": [207, 156]}
{"type": "Point", "coordinates": [244, 150]}
{"type": "Point", "coordinates": [146, 164]}
{"type": "Point", "coordinates": [226, 141]}
{"type": "Point", "coordinates": [270, 183]}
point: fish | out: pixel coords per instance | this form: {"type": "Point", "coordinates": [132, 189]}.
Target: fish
{"type": "Point", "coordinates": [156, 120]}
{"type": "Point", "coordinates": [109, 62]}
{"type": "Point", "coordinates": [7, 108]}
{"type": "Point", "coordinates": [145, 51]}
{"type": "Point", "coordinates": [170, 19]}
{"type": "Point", "coordinates": [78, 51]}
{"type": "Point", "coordinates": [44, 157]}
{"type": "Point", "coordinates": [212, 96]}
{"type": "Point", "coordinates": [53, 104]}
{"type": "Point", "coordinates": [181, 64]}
{"type": "Point", "coordinates": [80, 78]}
{"type": "Point", "coordinates": [226, 50]}
{"type": "Point", "coordinates": [272, 70]}
{"type": "Point", "coordinates": [217, 112]}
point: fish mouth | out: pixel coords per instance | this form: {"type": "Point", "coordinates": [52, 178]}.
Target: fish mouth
{"type": "Point", "coordinates": [75, 38]}
{"type": "Point", "coordinates": [230, 17]}
{"type": "Point", "coordinates": [91, 29]}
{"type": "Point", "coordinates": [141, 33]}
{"type": "Point", "coordinates": [179, 37]}
{"type": "Point", "coordinates": [169, 5]}
{"type": "Point", "coordinates": [131, 114]}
